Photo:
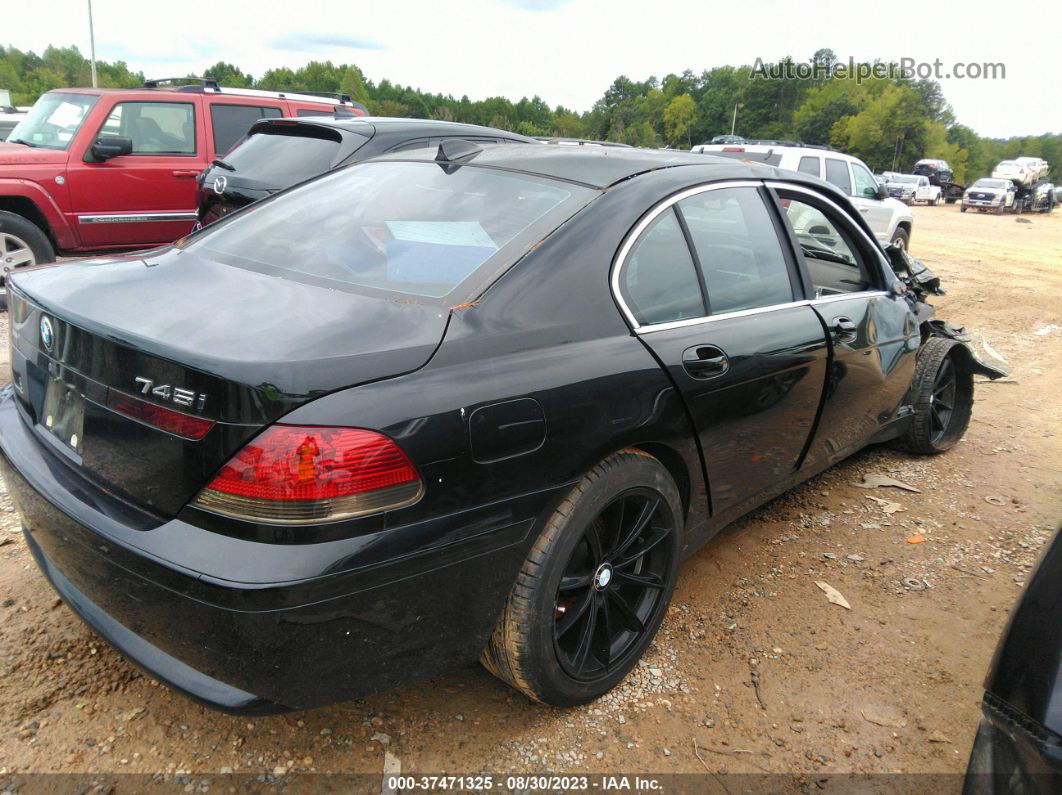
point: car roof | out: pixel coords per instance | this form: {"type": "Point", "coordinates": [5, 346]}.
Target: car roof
{"type": "Point", "coordinates": [401, 125]}
{"type": "Point", "coordinates": [600, 167]}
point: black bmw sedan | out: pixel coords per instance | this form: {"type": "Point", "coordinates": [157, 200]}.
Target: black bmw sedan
{"type": "Point", "coordinates": [278, 153]}
{"type": "Point", "coordinates": [477, 402]}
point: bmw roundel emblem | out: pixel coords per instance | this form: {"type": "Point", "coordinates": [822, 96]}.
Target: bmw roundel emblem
{"type": "Point", "coordinates": [47, 333]}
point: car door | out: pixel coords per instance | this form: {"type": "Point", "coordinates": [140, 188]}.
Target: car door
{"type": "Point", "coordinates": [872, 333]}
{"type": "Point", "coordinates": [864, 195]}
{"type": "Point", "coordinates": [713, 293]}
{"type": "Point", "coordinates": [147, 196]}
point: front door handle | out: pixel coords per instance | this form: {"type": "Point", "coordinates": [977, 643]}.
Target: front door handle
{"type": "Point", "coordinates": [705, 361]}
{"type": "Point", "coordinates": [183, 172]}
{"type": "Point", "coordinates": [844, 329]}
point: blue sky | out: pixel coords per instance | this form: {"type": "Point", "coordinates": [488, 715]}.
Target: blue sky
{"type": "Point", "coordinates": [569, 51]}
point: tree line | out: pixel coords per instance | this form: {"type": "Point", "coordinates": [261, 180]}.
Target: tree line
{"type": "Point", "coordinates": [889, 122]}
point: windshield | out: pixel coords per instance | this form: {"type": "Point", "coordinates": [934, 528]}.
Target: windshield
{"type": "Point", "coordinates": [1009, 164]}
{"type": "Point", "coordinates": [397, 227]}
{"type": "Point", "coordinates": [990, 183]}
{"type": "Point", "coordinates": [53, 121]}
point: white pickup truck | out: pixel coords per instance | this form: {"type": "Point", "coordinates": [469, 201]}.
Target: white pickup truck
{"type": "Point", "coordinates": [911, 188]}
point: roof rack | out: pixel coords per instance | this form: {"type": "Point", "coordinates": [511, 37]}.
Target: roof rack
{"type": "Point", "coordinates": [187, 83]}
{"type": "Point", "coordinates": [344, 98]}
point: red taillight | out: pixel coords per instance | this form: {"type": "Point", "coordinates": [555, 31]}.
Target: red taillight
{"type": "Point", "coordinates": [292, 474]}
{"type": "Point", "coordinates": [160, 417]}
{"type": "Point", "coordinates": [733, 149]}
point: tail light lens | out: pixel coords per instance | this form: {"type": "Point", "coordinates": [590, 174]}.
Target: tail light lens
{"type": "Point", "coordinates": [733, 149]}
{"type": "Point", "coordinates": [293, 474]}
{"type": "Point", "coordinates": [175, 422]}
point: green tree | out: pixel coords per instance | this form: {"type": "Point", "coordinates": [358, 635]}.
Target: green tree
{"type": "Point", "coordinates": [678, 120]}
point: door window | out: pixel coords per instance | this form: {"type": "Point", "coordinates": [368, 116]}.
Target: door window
{"type": "Point", "coordinates": [865, 185]}
{"type": "Point", "coordinates": [737, 249]}
{"type": "Point", "coordinates": [659, 281]}
{"type": "Point", "coordinates": [155, 128]}
{"type": "Point", "coordinates": [809, 165]}
{"type": "Point", "coordinates": [833, 261]}
{"type": "Point", "coordinates": [231, 122]}
{"type": "Point", "coordinates": [837, 174]}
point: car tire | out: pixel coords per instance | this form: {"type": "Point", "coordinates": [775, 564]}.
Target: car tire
{"type": "Point", "coordinates": [568, 633]}
{"type": "Point", "coordinates": [900, 238]}
{"type": "Point", "coordinates": [22, 243]}
{"type": "Point", "coordinates": [962, 209]}
{"type": "Point", "coordinates": [942, 394]}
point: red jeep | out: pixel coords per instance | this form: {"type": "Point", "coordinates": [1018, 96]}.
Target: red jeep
{"type": "Point", "coordinates": [96, 169]}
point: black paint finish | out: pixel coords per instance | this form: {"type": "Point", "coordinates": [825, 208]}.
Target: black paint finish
{"type": "Point", "coordinates": [502, 403]}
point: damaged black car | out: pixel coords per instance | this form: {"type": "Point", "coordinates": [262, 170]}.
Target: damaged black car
{"type": "Point", "coordinates": [471, 403]}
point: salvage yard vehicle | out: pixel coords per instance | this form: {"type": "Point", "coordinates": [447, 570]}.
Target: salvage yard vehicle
{"type": "Point", "coordinates": [1018, 747]}
{"type": "Point", "coordinates": [987, 194]}
{"type": "Point", "coordinates": [889, 219]}
{"type": "Point", "coordinates": [277, 153]}
{"type": "Point", "coordinates": [1042, 199]}
{"type": "Point", "coordinates": [104, 169]}
{"type": "Point", "coordinates": [477, 401]}
{"type": "Point", "coordinates": [1037, 165]}
{"type": "Point", "coordinates": [1021, 173]}
{"type": "Point", "coordinates": [940, 174]}
{"type": "Point", "coordinates": [911, 188]}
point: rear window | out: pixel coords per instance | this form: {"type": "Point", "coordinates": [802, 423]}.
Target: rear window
{"type": "Point", "coordinates": [395, 227]}
{"type": "Point", "coordinates": [279, 158]}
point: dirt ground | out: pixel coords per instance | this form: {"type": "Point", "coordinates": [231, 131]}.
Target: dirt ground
{"type": "Point", "coordinates": [753, 670]}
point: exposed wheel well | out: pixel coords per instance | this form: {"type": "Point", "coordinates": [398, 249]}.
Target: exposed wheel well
{"type": "Point", "coordinates": [28, 210]}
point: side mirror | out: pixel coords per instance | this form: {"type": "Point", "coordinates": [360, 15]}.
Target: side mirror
{"type": "Point", "coordinates": [881, 193]}
{"type": "Point", "coordinates": [109, 146]}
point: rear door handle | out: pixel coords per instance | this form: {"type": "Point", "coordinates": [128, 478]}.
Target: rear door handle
{"type": "Point", "coordinates": [843, 328]}
{"type": "Point", "coordinates": [705, 361]}
{"type": "Point", "coordinates": [182, 172]}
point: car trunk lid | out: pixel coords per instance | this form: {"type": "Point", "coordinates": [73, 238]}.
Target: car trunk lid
{"type": "Point", "coordinates": [139, 338]}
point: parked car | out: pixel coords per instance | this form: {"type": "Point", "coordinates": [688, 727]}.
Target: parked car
{"type": "Point", "coordinates": [911, 188]}
{"type": "Point", "coordinates": [989, 193]}
{"type": "Point", "coordinates": [890, 220]}
{"type": "Point", "coordinates": [9, 117]}
{"type": "Point", "coordinates": [728, 139]}
{"type": "Point", "coordinates": [102, 169]}
{"type": "Point", "coordinates": [278, 153]}
{"type": "Point", "coordinates": [1018, 747]}
{"type": "Point", "coordinates": [1037, 165]}
{"type": "Point", "coordinates": [1042, 198]}
{"type": "Point", "coordinates": [1020, 173]}
{"type": "Point", "coordinates": [941, 175]}
{"type": "Point", "coordinates": [443, 404]}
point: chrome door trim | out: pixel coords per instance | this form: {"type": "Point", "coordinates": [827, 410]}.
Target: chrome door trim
{"type": "Point", "coordinates": [136, 218]}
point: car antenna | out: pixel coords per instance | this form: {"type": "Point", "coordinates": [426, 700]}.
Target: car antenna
{"type": "Point", "coordinates": [453, 151]}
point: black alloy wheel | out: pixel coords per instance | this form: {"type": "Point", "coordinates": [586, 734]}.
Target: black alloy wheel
{"type": "Point", "coordinates": [942, 396]}
{"type": "Point", "coordinates": [613, 584]}
{"type": "Point", "coordinates": [942, 401]}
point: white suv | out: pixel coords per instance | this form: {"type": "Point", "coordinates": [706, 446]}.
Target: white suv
{"type": "Point", "coordinates": [889, 219]}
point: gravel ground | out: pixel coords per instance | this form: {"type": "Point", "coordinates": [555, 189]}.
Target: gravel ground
{"type": "Point", "coordinates": [754, 669]}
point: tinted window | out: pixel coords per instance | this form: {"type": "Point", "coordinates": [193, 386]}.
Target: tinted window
{"type": "Point", "coordinates": [865, 185]}
{"type": "Point", "coordinates": [809, 165]}
{"type": "Point", "coordinates": [231, 122]}
{"type": "Point", "coordinates": [279, 159]}
{"type": "Point", "coordinates": [155, 128]}
{"type": "Point", "coordinates": [837, 173]}
{"type": "Point", "coordinates": [737, 249]}
{"type": "Point", "coordinates": [399, 227]}
{"type": "Point", "coordinates": [832, 260]}
{"type": "Point", "coordinates": [659, 281]}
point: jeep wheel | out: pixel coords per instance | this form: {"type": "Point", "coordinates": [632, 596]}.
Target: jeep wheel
{"type": "Point", "coordinates": [22, 244]}
{"type": "Point", "coordinates": [900, 238]}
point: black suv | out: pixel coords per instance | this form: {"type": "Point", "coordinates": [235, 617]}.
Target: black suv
{"type": "Point", "coordinates": [278, 153]}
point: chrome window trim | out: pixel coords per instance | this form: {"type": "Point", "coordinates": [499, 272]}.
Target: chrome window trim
{"type": "Point", "coordinates": [135, 218]}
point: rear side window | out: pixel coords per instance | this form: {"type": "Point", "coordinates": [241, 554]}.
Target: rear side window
{"type": "Point", "coordinates": [833, 261]}
{"type": "Point", "coordinates": [809, 165]}
{"type": "Point", "coordinates": [280, 159]}
{"type": "Point", "coordinates": [659, 280]}
{"type": "Point", "coordinates": [737, 249]}
{"type": "Point", "coordinates": [155, 128]}
{"type": "Point", "coordinates": [231, 122]}
{"type": "Point", "coordinates": [837, 174]}
{"type": "Point", "coordinates": [395, 227]}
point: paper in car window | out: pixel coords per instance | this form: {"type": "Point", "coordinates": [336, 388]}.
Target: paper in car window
{"type": "Point", "coordinates": [441, 233]}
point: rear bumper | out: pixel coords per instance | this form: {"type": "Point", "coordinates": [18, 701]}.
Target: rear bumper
{"type": "Point", "coordinates": [374, 615]}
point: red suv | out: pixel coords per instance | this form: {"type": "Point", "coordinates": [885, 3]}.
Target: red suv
{"type": "Point", "coordinates": [97, 169]}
